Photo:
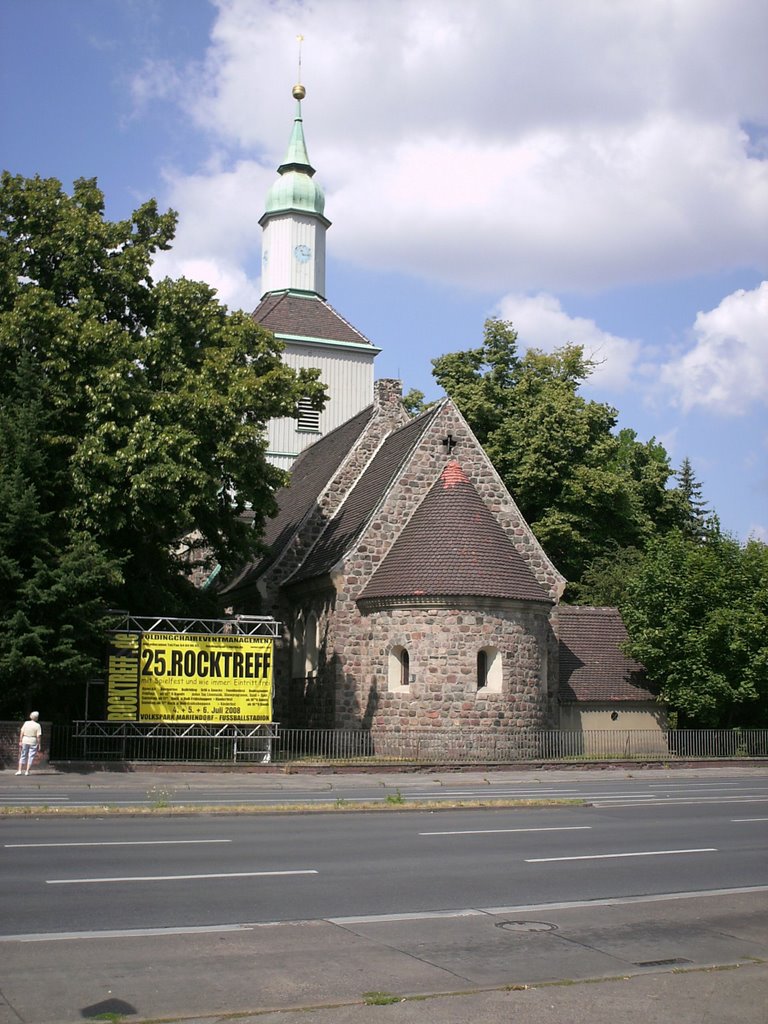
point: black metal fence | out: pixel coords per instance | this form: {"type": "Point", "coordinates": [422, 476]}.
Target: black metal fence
{"type": "Point", "coordinates": [237, 744]}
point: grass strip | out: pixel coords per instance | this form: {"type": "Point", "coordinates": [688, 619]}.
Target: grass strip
{"type": "Point", "coordinates": [100, 810]}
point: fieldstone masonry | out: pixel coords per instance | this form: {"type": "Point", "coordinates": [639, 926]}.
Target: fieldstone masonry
{"type": "Point", "coordinates": [442, 636]}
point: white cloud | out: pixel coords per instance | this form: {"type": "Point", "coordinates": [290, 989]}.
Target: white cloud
{"type": "Point", "coordinates": [542, 323]}
{"type": "Point", "coordinates": [218, 233]}
{"type": "Point", "coordinates": [726, 371]}
{"type": "Point", "coordinates": [503, 145]}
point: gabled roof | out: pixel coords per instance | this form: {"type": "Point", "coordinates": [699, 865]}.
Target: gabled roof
{"type": "Point", "coordinates": [592, 665]}
{"type": "Point", "coordinates": [306, 315]}
{"type": "Point", "coordinates": [356, 510]}
{"type": "Point", "coordinates": [454, 546]}
{"type": "Point", "coordinates": [310, 474]}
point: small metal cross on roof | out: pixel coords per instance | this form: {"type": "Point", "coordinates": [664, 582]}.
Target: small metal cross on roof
{"type": "Point", "coordinates": [450, 443]}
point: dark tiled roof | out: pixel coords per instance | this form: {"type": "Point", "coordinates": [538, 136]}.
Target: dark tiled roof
{"type": "Point", "coordinates": [364, 497]}
{"type": "Point", "coordinates": [310, 474]}
{"type": "Point", "coordinates": [454, 546]}
{"type": "Point", "coordinates": [305, 316]}
{"type": "Point", "coordinates": [592, 664]}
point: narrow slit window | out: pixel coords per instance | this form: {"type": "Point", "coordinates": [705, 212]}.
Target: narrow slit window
{"type": "Point", "coordinates": [399, 668]}
{"type": "Point", "coordinates": [482, 669]}
{"type": "Point", "coordinates": [405, 667]}
{"type": "Point", "coordinates": [489, 671]}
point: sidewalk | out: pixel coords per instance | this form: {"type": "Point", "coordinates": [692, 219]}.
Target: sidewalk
{"type": "Point", "coordinates": [739, 996]}
{"type": "Point", "coordinates": [602, 964]}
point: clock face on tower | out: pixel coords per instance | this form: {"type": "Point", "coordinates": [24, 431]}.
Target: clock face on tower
{"type": "Point", "coordinates": [302, 253]}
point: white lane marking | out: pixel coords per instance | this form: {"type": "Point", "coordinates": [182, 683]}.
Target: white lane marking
{"type": "Point", "coordinates": [611, 901]}
{"type": "Point", "coordinates": [496, 831]}
{"type": "Point", "coordinates": [125, 933]}
{"type": "Point", "coordinates": [698, 784]}
{"type": "Point", "coordinates": [175, 878]}
{"type": "Point", "coordinates": [424, 915]}
{"type": "Point", "coordinates": [611, 856]}
{"type": "Point", "coordinates": [615, 901]}
{"type": "Point", "coordinates": [673, 801]}
{"type": "Point", "coordinates": [749, 819]}
{"type": "Point", "coordinates": [37, 798]}
{"type": "Point", "coordinates": [427, 915]}
{"type": "Point", "coordinates": [131, 842]}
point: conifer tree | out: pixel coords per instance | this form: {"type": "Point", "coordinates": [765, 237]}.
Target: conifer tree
{"type": "Point", "coordinates": [694, 509]}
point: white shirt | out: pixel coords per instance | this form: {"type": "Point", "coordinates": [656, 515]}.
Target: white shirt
{"type": "Point", "coordinates": [30, 733]}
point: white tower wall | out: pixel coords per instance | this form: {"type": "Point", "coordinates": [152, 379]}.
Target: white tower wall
{"type": "Point", "coordinates": [293, 253]}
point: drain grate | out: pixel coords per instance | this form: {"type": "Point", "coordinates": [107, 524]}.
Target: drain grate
{"type": "Point", "coordinates": [673, 961]}
{"type": "Point", "coordinates": [526, 926]}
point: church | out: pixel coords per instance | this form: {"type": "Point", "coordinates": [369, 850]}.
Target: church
{"type": "Point", "coordinates": [412, 592]}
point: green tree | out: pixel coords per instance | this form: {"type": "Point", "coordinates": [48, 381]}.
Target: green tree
{"type": "Point", "coordinates": [413, 402]}
{"type": "Point", "coordinates": [155, 400]}
{"type": "Point", "coordinates": [697, 617]}
{"type": "Point", "coordinates": [583, 489]}
{"type": "Point", "coordinates": [694, 512]}
{"type": "Point", "coordinates": [53, 581]}
{"type": "Point", "coordinates": [606, 578]}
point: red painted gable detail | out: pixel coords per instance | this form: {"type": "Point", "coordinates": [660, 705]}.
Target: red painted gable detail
{"type": "Point", "coordinates": [453, 475]}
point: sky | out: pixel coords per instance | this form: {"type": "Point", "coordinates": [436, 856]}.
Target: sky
{"type": "Point", "coordinates": [596, 172]}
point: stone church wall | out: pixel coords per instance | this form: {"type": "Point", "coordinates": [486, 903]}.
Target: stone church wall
{"type": "Point", "coordinates": [443, 641]}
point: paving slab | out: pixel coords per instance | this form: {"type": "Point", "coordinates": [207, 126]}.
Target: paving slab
{"type": "Point", "coordinates": [738, 996]}
{"type": "Point", "coordinates": [301, 966]}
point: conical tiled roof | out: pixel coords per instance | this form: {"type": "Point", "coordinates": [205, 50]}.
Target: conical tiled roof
{"type": "Point", "coordinates": [454, 546]}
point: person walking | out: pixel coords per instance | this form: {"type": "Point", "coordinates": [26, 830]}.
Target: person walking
{"type": "Point", "coordinates": [29, 742]}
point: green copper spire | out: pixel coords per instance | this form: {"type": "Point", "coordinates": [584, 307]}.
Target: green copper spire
{"type": "Point", "coordinates": [295, 189]}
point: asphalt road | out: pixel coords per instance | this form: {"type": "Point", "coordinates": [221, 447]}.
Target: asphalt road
{"type": "Point", "coordinates": [86, 874]}
{"type": "Point", "coordinates": [201, 915]}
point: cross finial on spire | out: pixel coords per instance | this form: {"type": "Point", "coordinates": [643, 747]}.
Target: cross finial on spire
{"type": "Point", "coordinates": [301, 40]}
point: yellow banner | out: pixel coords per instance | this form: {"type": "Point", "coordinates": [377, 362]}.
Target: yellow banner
{"type": "Point", "coordinates": [190, 677]}
{"type": "Point", "coordinates": [123, 677]}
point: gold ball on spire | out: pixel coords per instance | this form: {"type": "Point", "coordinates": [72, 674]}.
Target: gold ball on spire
{"type": "Point", "coordinates": [298, 92]}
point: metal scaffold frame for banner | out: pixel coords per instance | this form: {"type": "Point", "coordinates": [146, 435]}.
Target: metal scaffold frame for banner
{"type": "Point", "coordinates": [239, 625]}
{"type": "Point", "coordinates": [163, 739]}
{"type": "Point", "coordinates": [176, 741]}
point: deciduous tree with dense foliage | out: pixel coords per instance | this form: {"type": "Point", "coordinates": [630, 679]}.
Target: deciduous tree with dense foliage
{"type": "Point", "coordinates": [131, 412]}
{"type": "Point", "coordinates": [697, 616]}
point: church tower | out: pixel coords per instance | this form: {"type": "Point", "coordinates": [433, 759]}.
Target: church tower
{"type": "Point", "coordinates": [294, 224]}
{"type": "Point", "coordinates": [294, 308]}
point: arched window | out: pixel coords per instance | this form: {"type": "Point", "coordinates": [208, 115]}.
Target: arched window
{"type": "Point", "coordinates": [489, 670]}
{"type": "Point", "coordinates": [405, 668]}
{"type": "Point", "coordinates": [399, 668]}
{"type": "Point", "coordinates": [482, 669]}
{"type": "Point", "coordinates": [311, 646]}
{"type": "Point", "coordinates": [297, 647]}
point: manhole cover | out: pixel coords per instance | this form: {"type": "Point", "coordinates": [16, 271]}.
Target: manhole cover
{"type": "Point", "coordinates": [526, 926]}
